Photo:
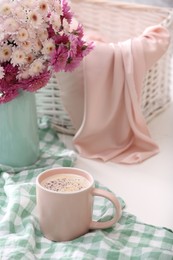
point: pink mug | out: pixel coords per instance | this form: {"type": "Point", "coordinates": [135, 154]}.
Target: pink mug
{"type": "Point", "coordinates": [66, 215]}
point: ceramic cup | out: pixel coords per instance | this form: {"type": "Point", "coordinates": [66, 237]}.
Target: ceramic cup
{"type": "Point", "coordinates": [66, 215]}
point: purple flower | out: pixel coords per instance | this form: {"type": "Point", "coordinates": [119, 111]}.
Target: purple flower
{"type": "Point", "coordinates": [73, 45]}
{"type": "Point", "coordinates": [61, 39]}
{"type": "Point", "coordinates": [87, 48]}
{"type": "Point", "coordinates": [59, 58]}
{"type": "Point", "coordinates": [8, 84]}
{"type": "Point", "coordinates": [51, 32]}
{"type": "Point", "coordinates": [9, 94]}
{"type": "Point", "coordinates": [79, 31]}
{"type": "Point", "coordinates": [67, 14]}
{"type": "Point", "coordinates": [10, 72]}
{"type": "Point", "coordinates": [34, 83]}
{"type": "Point", "coordinates": [72, 63]}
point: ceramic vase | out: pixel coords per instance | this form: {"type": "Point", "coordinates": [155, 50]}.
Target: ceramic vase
{"type": "Point", "coordinates": [19, 140]}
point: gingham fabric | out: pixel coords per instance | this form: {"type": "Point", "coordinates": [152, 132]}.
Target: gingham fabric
{"type": "Point", "coordinates": [52, 151]}
{"type": "Point", "coordinates": [20, 235]}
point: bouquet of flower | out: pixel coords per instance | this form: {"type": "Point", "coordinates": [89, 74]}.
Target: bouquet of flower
{"type": "Point", "coordinates": [36, 39]}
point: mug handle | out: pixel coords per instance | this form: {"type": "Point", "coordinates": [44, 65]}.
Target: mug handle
{"type": "Point", "coordinates": [108, 195]}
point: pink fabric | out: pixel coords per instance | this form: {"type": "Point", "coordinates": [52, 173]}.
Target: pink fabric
{"type": "Point", "coordinates": [71, 85]}
{"type": "Point", "coordinates": [104, 101]}
{"type": "Point", "coordinates": [113, 126]}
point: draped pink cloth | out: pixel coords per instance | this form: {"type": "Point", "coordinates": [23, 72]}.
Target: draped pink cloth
{"type": "Point", "coordinates": [113, 127]}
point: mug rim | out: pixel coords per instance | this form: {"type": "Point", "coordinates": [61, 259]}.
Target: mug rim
{"type": "Point", "coordinates": [54, 171]}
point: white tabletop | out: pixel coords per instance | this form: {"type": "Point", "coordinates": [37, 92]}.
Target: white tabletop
{"type": "Point", "coordinates": [147, 188]}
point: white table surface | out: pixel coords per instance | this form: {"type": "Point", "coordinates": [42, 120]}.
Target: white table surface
{"type": "Point", "coordinates": [147, 188]}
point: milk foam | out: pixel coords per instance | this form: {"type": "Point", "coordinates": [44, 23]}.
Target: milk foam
{"type": "Point", "coordinates": [65, 183]}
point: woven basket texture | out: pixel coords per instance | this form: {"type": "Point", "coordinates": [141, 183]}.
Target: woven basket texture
{"type": "Point", "coordinates": [116, 22]}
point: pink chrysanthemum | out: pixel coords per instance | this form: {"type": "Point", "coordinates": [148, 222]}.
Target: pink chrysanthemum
{"type": "Point", "coordinates": [10, 72]}
{"type": "Point", "coordinates": [34, 83]}
{"type": "Point", "coordinates": [10, 94]}
{"type": "Point", "coordinates": [51, 32]}
{"type": "Point", "coordinates": [86, 48]}
{"type": "Point", "coordinates": [67, 14]}
{"type": "Point", "coordinates": [61, 39]}
{"type": "Point", "coordinates": [8, 84]}
{"type": "Point", "coordinates": [72, 63]}
{"type": "Point", "coordinates": [59, 58]}
{"type": "Point", "coordinates": [73, 44]}
{"type": "Point", "coordinates": [78, 31]}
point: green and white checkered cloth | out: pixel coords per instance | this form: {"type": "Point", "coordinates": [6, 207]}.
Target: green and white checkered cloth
{"type": "Point", "coordinates": [52, 151]}
{"type": "Point", "coordinates": [20, 235]}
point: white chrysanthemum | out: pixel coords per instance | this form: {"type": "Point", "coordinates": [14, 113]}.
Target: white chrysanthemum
{"type": "Point", "coordinates": [28, 4]}
{"type": "Point", "coordinates": [66, 26]}
{"type": "Point", "coordinates": [29, 58]}
{"type": "Point", "coordinates": [43, 6]}
{"type": "Point", "coordinates": [32, 33]}
{"type": "Point", "coordinates": [35, 19]}
{"type": "Point", "coordinates": [43, 35]}
{"type": "Point", "coordinates": [57, 8]}
{"type": "Point", "coordinates": [23, 75]}
{"type": "Point", "coordinates": [26, 46]}
{"type": "Point", "coordinates": [2, 35]}
{"type": "Point", "coordinates": [37, 45]}
{"type": "Point", "coordinates": [5, 53]}
{"type": "Point", "coordinates": [5, 9]}
{"type": "Point", "coordinates": [48, 46]}
{"type": "Point", "coordinates": [10, 25]}
{"type": "Point", "coordinates": [19, 13]}
{"type": "Point", "coordinates": [18, 57]}
{"type": "Point", "coordinates": [36, 67]}
{"type": "Point", "coordinates": [51, 3]}
{"type": "Point", "coordinates": [22, 35]}
{"type": "Point", "coordinates": [2, 73]}
{"type": "Point", "coordinates": [55, 21]}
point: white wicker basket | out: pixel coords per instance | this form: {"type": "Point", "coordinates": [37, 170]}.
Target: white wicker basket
{"type": "Point", "coordinates": [117, 22]}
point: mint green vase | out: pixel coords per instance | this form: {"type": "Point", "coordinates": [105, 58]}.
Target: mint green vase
{"type": "Point", "coordinates": [19, 140]}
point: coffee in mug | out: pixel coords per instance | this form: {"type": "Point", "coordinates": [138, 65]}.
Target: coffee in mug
{"type": "Point", "coordinates": [65, 199]}
{"type": "Point", "coordinates": [65, 183]}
